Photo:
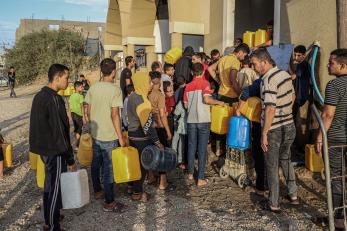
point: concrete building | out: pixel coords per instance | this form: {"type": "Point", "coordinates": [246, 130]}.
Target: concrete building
{"type": "Point", "coordinates": [90, 30]}
{"type": "Point", "coordinates": [154, 26]}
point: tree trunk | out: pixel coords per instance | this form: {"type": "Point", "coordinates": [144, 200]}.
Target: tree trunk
{"type": "Point", "coordinates": [341, 7]}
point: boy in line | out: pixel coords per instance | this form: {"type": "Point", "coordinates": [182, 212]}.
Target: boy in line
{"type": "Point", "coordinates": [77, 110]}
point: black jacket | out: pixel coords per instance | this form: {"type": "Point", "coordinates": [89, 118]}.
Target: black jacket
{"type": "Point", "coordinates": [49, 126]}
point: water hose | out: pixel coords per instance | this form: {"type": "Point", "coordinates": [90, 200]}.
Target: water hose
{"type": "Point", "coordinates": [313, 78]}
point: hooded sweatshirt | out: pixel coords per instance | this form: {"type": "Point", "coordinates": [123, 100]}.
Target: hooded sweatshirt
{"type": "Point", "coordinates": [49, 126]}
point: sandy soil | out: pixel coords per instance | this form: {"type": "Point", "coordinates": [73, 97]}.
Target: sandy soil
{"type": "Point", "coordinates": [222, 205]}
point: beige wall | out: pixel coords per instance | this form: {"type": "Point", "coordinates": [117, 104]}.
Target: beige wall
{"type": "Point", "coordinates": [304, 21]}
{"type": "Point", "coordinates": [113, 32]}
{"type": "Point", "coordinates": [89, 29]}
{"type": "Point", "coordinates": [214, 40]}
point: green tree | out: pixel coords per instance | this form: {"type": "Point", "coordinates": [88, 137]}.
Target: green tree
{"type": "Point", "coordinates": [34, 53]}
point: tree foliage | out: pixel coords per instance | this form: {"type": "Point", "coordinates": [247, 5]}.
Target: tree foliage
{"type": "Point", "coordinates": [34, 53]}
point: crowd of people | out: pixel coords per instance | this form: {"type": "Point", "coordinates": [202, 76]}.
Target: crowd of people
{"type": "Point", "coordinates": [171, 107]}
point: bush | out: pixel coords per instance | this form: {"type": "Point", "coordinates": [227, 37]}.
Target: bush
{"type": "Point", "coordinates": [34, 53]}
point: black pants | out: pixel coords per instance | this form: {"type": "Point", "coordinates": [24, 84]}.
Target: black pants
{"type": "Point", "coordinates": [258, 156]}
{"type": "Point", "coordinates": [52, 202]}
{"type": "Point", "coordinates": [12, 94]}
{"type": "Point", "coordinates": [336, 158]}
{"type": "Point", "coordinates": [139, 145]}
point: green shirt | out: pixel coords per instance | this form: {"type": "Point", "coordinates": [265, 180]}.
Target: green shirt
{"type": "Point", "coordinates": [102, 97]}
{"type": "Point", "coordinates": [76, 101]}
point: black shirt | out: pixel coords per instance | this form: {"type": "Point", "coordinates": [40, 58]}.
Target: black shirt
{"type": "Point", "coordinates": [183, 68]}
{"type": "Point", "coordinates": [125, 74]}
{"type": "Point", "coordinates": [302, 82]}
{"type": "Point", "coordinates": [336, 95]}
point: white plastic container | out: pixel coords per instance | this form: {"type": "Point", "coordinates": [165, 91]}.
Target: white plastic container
{"type": "Point", "coordinates": [75, 189]}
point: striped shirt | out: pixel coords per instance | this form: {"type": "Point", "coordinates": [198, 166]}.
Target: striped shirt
{"type": "Point", "coordinates": [276, 89]}
{"type": "Point", "coordinates": [336, 95]}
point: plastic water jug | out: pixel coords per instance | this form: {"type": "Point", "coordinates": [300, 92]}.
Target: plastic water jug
{"type": "Point", "coordinates": [85, 150]}
{"type": "Point", "coordinates": [8, 154]}
{"type": "Point", "coordinates": [40, 173]}
{"type": "Point", "coordinates": [33, 160]}
{"type": "Point", "coordinates": [74, 189]}
{"type": "Point", "coordinates": [252, 109]}
{"type": "Point", "coordinates": [61, 92]}
{"type": "Point", "coordinates": [220, 118]}
{"type": "Point", "coordinates": [69, 91]}
{"type": "Point", "coordinates": [313, 162]}
{"type": "Point", "coordinates": [173, 55]}
{"type": "Point", "coordinates": [152, 158]}
{"type": "Point", "coordinates": [248, 38]}
{"type": "Point", "coordinates": [239, 132]}
{"type": "Point", "coordinates": [126, 164]}
{"type": "Point", "coordinates": [260, 37]}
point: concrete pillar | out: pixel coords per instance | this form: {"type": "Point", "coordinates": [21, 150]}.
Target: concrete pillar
{"type": "Point", "coordinates": [277, 23]}
{"type": "Point", "coordinates": [131, 50]}
{"type": "Point", "coordinates": [176, 40]}
{"type": "Point", "coordinates": [151, 56]}
{"type": "Point", "coordinates": [342, 23]}
{"type": "Point", "coordinates": [125, 51]}
{"type": "Point", "coordinates": [228, 23]}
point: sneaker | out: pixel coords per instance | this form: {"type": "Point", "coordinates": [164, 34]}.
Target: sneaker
{"type": "Point", "coordinates": [113, 207]}
{"type": "Point", "coordinates": [99, 195]}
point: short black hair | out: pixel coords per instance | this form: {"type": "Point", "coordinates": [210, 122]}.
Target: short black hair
{"type": "Point", "coordinates": [77, 84]}
{"type": "Point", "coordinates": [270, 23]}
{"type": "Point", "coordinates": [128, 60]}
{"type": "Point", "coordinates": [11, 67]}
{"type": "Point", "coordinates": [155, 75]}
{"type": "Point", "coordinates": [107, 66]}
{"type": "Point", "coordinates": [167, 66]}
{"type": "Point", "coordinates": [181, 80]}
{"type": "Point", "coordinates": [242, 47]}
{"type": "Point", "coordinates": [246, 61]}
{"type": "Point", "coordinates": [263, 55]}
{"type": "Point", "coordinates": [56, 69]}
{"type": "Point", "coordinates": [82, 75]}
{"type": "Point", "coordinates": [199, 55]}
{"type": "Point", "coordinates": [341, 55]}
{"type": "Point", "coordinates": [130, 88]}
{"type": "Point", "coordinates": [239, 40]}
{"type": "Point", "coordinates": [166, 84]}
{"type": "Point", "coordinates": [214, 52]}
{"type": "Point", "coordinates": [155, 65]}
{"type": "Point", "coordinates": [197, 69]}
{"type": "Point", "coordinates": [300, 49]}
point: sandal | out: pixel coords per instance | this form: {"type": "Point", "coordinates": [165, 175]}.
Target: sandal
{"type": "Point", "coordinates": [168, 188]}
{"type": "Point", "coordinates": [143, 197]}
{"type": "Point", "coordinates": [206, 182]}
{"type": "Point", "coordinates": [114, 207]}
{"type": "Point", "coordinates": [265, 206]}
{"type": "Point", "coordinates": [293, 200]}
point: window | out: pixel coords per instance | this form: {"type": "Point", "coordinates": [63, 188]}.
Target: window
{"type": "Point", "coordinates": [53, 27]}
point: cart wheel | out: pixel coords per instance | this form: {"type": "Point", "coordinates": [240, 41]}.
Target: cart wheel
{"type": "Point", "coordinates": [242, 180]}
{"type": "Point", "coordinates": [223, 173]}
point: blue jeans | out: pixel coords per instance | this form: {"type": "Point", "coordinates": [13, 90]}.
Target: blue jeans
{"type": "Point", "coordinates": [102, 157]}
{"type": "Point", "coordinates": [198, 134]}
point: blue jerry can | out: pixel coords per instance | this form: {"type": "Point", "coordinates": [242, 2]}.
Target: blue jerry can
{"type": "Point", "coordinates": [239, 133]}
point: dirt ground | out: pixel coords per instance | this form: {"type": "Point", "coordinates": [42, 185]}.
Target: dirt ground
{"type": "Point", "coordinates": [222, 205]}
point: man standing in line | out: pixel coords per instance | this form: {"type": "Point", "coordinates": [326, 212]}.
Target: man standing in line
{"type": "Point", "coordinates": [278, 130]}
{"type": "Point", "coordinates": [334, 116]}
{"type": "Point", "coordinates": [50, 137]}
{"type": "Point", "coordinates": [104, 100]}
{"type": "Point", "coordinates": [125, 75]}
{"type": "Point", "coordinates": [12, 81]}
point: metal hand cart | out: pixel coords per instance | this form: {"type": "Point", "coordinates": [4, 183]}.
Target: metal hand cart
{"type": "Point", "coordinates": [328, 179]}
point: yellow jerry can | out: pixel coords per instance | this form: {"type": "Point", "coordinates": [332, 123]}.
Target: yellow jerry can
{"type": "Point", "coordinates": [126, 164]}
{"type": "Point", "coordinates": [40, 173]}
{"type": "Point", "coordinates": [220, 118]}
{"type": "Point", "coordinates": [33, 160]}
{"type": "Point", "coordinates": [85, 150]}
{"type": "Point", "coordinates": [260, 37]}
{"type": "Point", "coordinates": [69, 91]}
{"type": "Point", "coordinates": [61, 92]}
{"type": "Point", "coordinates": [248, 38]}
{"type": "Point", "coordinates": [313, 162]}
{"type": "Point", "coordinates": [173, 55]}
{"type": "Point", "coordinates": [8, 154]}
{"type": "Point", "coordinates": [252, 109]}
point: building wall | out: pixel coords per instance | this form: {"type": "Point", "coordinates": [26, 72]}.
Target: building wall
{"type": "Point", "coordinates": [304, 21]}
{"type": "Point", "coordinates": [214, 40]}
{"type": "Point", "coordinates": [88, 29]}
